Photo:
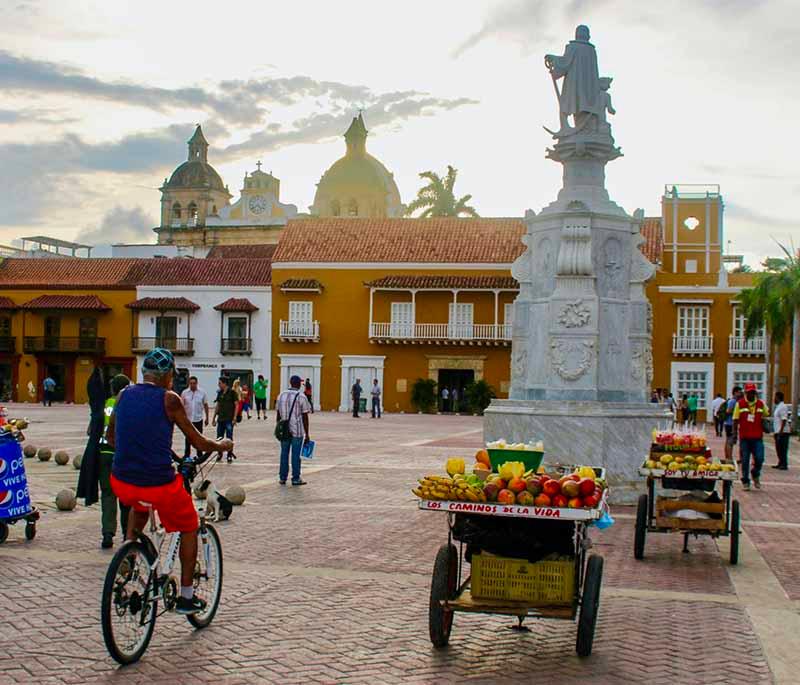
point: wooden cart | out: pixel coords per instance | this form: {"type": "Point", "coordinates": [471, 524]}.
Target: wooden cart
{"type": "Point", "coordinates": [657, 513]}
{"type": "Point", "coordinates": [451, 584]}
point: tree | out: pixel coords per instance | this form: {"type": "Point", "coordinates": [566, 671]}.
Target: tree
{"type": "Point", "coordinates": [479, 394]}
{"type": "Point", "coordinates": [438, 199]}
{"type": "Point", "coordinates": [774, 303]}
{"type": "Point", "coordinates": [423, 394]}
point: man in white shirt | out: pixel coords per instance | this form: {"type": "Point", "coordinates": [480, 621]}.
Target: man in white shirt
{"type": "Point", "coordinates": [195, 402]}
{"type": "Point", "coordinates": [375, 391]}
{"type": "Point", "coordinates": [782, 418]}
{"type": "Point", "coordinates": [445, 399]}
{"type": "Point", "coordinates": [293, 406]}
{"type": "Point", "coordinates": [716, 403]}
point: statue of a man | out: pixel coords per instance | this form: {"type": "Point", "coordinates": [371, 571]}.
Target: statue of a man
{"type": "Point", "coordinates": [581, 85]}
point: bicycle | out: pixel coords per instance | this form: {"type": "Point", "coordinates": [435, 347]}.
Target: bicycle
{"type": "Point", "coordinates": [140, 576]}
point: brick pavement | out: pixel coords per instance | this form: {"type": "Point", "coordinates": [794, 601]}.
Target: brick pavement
{"type": "Point", "coordinates": [329, 583]}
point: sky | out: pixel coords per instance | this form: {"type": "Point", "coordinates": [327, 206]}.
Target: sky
{"type": "Point", "coordinates": [99, 99]}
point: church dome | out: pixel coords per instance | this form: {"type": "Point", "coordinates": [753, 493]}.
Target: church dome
{"type": "Point", "coordinates": [357, 184]}
{"type": "Point", "coordinates": [195, 174]}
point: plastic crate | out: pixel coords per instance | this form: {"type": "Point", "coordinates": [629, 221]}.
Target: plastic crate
{"type": "Point", "coordinates": [531, 459]}
{"type": "Point", "coordinates": [541, 582]}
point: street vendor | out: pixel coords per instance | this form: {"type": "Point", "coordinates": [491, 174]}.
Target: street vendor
{"type": "Point", "coordinates": [748, 416]}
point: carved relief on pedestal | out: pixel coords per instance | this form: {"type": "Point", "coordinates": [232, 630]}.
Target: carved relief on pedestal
{"type": "Point", "coordinates": [611, 271]}
{"type": "Point", "coordinates": [571, 358]}
{"type": "Point", "coordinates": [649, 318]}
{"type": "Point", "coordinates": [642, 362]}
{"type": "Point", "coordinates": [575, 251]}
{"type": "Point", "coordinates": [519, 364]}
{"type": "Point", "coordinates": [575, 314]}
{"type": "Point", "coordinates": [543, 276]}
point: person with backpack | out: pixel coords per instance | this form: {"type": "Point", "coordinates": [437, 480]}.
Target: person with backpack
{"type": "Point", "coordinates": [748, 418]}
{"type": "Point", "coordinates": [292, 410]}
{"type": "Point", "coordinates": [718, 409]}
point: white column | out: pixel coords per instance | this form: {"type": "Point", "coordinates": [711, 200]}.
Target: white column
{"type": "Point", "coordinates": [708, 233]}
{"type": "Point", "coordinates": [496, 305]}
{"type": "Point", "coordinates": [675, 232]}
{"type": "Point", "coordinates": [413, 314]}
{"type": "Point", "coordinates": [371, 292]}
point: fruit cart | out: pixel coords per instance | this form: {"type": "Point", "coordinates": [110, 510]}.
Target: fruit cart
{"type": "Point", "coordinates": [715, 516]}
{"type": "Point", "coordinates": [562, 588]}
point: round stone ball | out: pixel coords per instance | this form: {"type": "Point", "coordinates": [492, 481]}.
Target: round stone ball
{"type": "Point", "coordinates": [44, 454]}
{"type": "Point", "coordinates": [61, 457]}
{"type": "Point", "coordinates": [66, 500]}
{"type": "Point", "coordinates": [76, 462]}
{"type": "Point", "coordinates": [198, 493]}
{"type": "Point", "coordinates": [236, 494]}
{"type": "Point", "coordinates": [29, 451]}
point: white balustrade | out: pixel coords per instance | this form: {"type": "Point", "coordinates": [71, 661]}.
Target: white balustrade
{"type": "Point", "coordinates": [299, 329]}
{"type": "Point", "coordinates": [738, 344]}
{"type": "Point", "coordinates": [693, 344]}
{"type": "Point", "coordinates": [440, 331]}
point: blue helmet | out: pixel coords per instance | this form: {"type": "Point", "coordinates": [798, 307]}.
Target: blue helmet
{"type": "Point", "coordinates": [159, 360]}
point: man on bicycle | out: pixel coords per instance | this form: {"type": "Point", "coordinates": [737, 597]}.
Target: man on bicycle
{"type": "Point", "coordinates": [141, 432]}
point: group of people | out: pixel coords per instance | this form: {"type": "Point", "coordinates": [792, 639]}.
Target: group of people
{"type": "Point", "coordinates": [375, 393]}
{"type": "Point", "coordinates": [450, 399]}
{"type": "Point", "coordinates": [684, 410]}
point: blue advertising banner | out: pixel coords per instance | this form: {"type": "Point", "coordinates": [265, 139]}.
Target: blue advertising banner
{"type": "Point", "coordinates": [15, 500]}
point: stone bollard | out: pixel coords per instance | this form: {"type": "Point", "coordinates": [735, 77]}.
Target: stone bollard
{"type": "Point", "coordinates": [76, 462]}
{"type": "Point", "coordinates": [61, 457]}
{"type": "Point", "coordinates": [44, 454]}
{"type": "Point", "coordinates": [29, 451]}
{"type": "Point", "coordinates": [66, 500]}
{"type": "Point", "coordinates": [236, 494]}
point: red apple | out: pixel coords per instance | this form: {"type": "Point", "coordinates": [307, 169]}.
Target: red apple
{"type": "Point", "coordinates": [570, 489]}
{"type": "Point", "coordinates": [491, 490]}
{"type": "Point", "coordinates": [560, 501]}
{"type": "Point", "coordinates": [517, 485]}
{"type": "Point", "coordinates": [575, 503]}
{"type": "Point", "coordinates": [591, 501]}
{"type": "Point", "coordinates": [551, 488]}
{"type": "Point", "coordinates": [542, 501]}
{"type": "Point", "coordinates": [525, 498]}
{"type": "Point", "coordinates": [534, 486]}
{"type": "Point", "coordinates": [586, 486]}
{"type": "Point", "coordinates": [506, 497]}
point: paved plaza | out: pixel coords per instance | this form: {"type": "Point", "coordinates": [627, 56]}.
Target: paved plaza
{"type": "Point", "coordinates": [329, 583]}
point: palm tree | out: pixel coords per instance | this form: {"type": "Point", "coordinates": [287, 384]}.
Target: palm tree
{"type": "Point", "coordinates": [774, 303]}
{"type": "Point", "coordinates": [437, 198]}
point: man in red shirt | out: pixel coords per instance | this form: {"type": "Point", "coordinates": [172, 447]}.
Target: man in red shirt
{"type": "Point", "coordinates": [748, 415]}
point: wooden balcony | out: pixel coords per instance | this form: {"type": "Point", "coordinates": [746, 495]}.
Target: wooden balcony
{"type": "Point", "coordinates": [70, 345]}
{"type": "Point", "coordinates": [299, 331]}
{"type": "Point", "coordinates": [440, 333]}
{"type": "Point", "coordinates": [178, 346]}
{"type": "Point", "coordinates": [693, 345]}
{"type": "Point", "coordinates": [8, 344]}
{"type": "Point", "coordinates": [740, 346]}
{"type": "Point", "coordinates": [236, 346]}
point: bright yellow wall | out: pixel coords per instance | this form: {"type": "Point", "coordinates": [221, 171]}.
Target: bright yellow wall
{"type": "Point", "coordinates": [691, 244]}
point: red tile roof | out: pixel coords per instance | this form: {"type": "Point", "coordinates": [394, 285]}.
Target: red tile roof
{"type": "Point", "coordinates": [263, 251]}
{"type": "Point", "coordinates": [363, 240]}
{"type": "Point", "coordinates": [6, 303]}
{"type": "Point", "coordinates": [446, 282]}
{"type": "Point", "coordinates": [164, 304]}
{"type": "Point", "coordinates": [301, 284]}
{"type": "Point", "coordinates": [653, 245]}
{"type": "Point", "coordinates": [66, 302]}
{"type": "Point", "coordinates": [236, 304]}
{"type": "Point", "coordinates": [255, 272]}
{"type": "Point", "coordinates": [72, 273]}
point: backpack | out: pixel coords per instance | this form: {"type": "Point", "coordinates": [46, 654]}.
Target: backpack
{"type": "Point", "coordinates": [282, 431]}
{"type": "Point", "coordinates": [722, 412]}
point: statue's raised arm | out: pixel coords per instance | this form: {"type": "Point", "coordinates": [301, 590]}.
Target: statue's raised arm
{"type": "Point", "coordinates": [580, 91]}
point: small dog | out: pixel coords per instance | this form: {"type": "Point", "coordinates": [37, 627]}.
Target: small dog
{"type": "Point", "coordinates": [216, 503]}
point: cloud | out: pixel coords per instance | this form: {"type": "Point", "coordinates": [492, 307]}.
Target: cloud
{"type": "Point", "coordinates": [33, 116]}
{"type": "Point", "coordinates": [757, 219]}
{"type": "Point", "coordinates": [120, 225]}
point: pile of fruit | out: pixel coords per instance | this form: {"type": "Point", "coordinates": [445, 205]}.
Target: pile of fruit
{"type": "Point", "coordinates": [517, 446]}
{"type": "Point", "coordinates": [677, 441]}
{"type": "Point", "coordinates": [14, 427]}
{"type": "Point", "coordinates": [688, 462]}
{"type": "Point", "coordinates": [513, 485]}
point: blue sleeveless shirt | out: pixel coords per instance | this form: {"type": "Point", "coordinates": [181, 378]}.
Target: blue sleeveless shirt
{"type": "Point", "coordinates": [142, 437]}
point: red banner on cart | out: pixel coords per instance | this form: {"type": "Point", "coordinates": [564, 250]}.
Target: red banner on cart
{"type": "Point", "coordinates": [494, 509]}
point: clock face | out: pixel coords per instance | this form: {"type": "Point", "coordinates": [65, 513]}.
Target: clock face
{"type": "Point", "coordinates": [258, 203]}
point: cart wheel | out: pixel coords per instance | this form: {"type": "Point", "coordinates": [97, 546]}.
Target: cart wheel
{"type": "Point", "coordinates": [735, 523]}
{"type": "Point", "coordinates": [30, 530]}
{"type": "Point", "coordinates": [444, 585]}
{"type": "Point", "coordinates": [590, 602]}
{"type": "Point", "coordinates": [641, 528]}
{"type": "Point", "coordinates": [3, 531]}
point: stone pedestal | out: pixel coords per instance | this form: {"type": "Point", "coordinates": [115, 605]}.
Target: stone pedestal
{"type": "Point", "coordinates": [613, 435]}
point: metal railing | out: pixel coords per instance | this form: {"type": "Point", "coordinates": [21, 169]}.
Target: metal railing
{"type": "Point", "coordinates": [78, 345]}
{"type": "Point", "coordinates": [174, 345]}
{"type": "Point", "coordinates": [692, 344]}
{"type": "Point", "coordinates": [8, 344]}
{"type": "Point", "coordinates": [301, 330]}
{"type": "Point", "coordinates": [440, 331]}
{"type": "Point", "coordinates": [236, 346]}
{"type": "Point", "coordinates": [738, 344]}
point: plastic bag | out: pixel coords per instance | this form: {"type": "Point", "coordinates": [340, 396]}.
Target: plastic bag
{"type": "Point", "coordinates": [307, 451]}
{"type": "Point", "coordinates": [605, 521]}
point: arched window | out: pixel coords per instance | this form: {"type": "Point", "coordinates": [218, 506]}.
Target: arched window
{"type": "Point", "coordinates": [176, 210]}
{"type": "Point", "coordinates": [192, 210]}
{"type": "Point", "coordinates": [336, 209]}
{"type": "Point", "coordinates": [352, 208]}
{"type": "Point", "coordinates": [214, 210]}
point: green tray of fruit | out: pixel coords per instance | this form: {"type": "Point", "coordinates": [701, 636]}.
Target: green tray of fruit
{"type": "Point", "coordinates": [531, 458]}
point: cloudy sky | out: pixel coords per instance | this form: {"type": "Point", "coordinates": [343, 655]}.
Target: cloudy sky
{"type": "Point", "coordinates": [99, 99]}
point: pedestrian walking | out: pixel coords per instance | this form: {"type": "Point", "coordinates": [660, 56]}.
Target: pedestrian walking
{"type": "Point", "coordinates": [730, 435]}
{"type": "Point", "coordinates": [292, 429]}
{"type": "Point", "coordinates": [683, 410]}
{"type": "Point", "coordinates": [718, 411]}
{"type": "Point", "coordinates": [783, 429]}
{"type": "Point", "coordinates": [673, 408]}
{"type": "Point", "coordinates": [356, 392]}
{"type": "Point", "coordinates": [691, 407]}
{"type": "Point", "coordinates": [307, 391]}
{"type": "Point", "coordinates": [49, 387]}
{"type": "Point", "coordinates": [445, 399]}
{"type": "Point", "coordinates": [260, 393]}
{"type": "Point", "coordinates": [237, 389]}
{"type": "Point", "coordinates": [195, 402]}
{"type": "Point", "coordinates": [375, 391]}
{"type": "Point", "coordinates": [454, 397]}
{"type": "Point", "coordinates": [748, 416]}
{"type": "Point", "coordinates": [246, 401]}
{"type": "Point", "coordinates": [225, 412]}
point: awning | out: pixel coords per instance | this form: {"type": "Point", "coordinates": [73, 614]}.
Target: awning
{"type": "Point", "coordinates": [302, 284]}
{"type": "Point", "coordinates": [164, 304]}
{"type": "Point", "coordinates": [7, 304]}
{"type": "Point", "coordinates": [444, 282]}
{"type": "Point", "coordinates": [67, 302]}
{"type": "Point", "coordinates": [236, 304]}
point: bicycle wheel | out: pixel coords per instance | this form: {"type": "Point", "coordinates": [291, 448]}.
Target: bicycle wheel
{"type": "Point", "coordinates": [207, 576]}
{"type": "Point", "coordinates": [128, 608]}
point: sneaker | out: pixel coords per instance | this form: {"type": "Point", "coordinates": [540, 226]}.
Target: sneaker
{"type": "Point", "coordinates": [282, 482]}
{"type": "Point", "coordinates": [189, 606]}
{"type": "Point", "coordinates": [746, 486]}
{"type": "Point", "coordinates": [757, 483]}
{"type": "Point", "coordinates": [108, 541]}
{"type": "Point", "coordinates": [299, 482]}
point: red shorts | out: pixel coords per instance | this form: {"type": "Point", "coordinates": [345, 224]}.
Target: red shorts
{"type": "Point", "coordinates": [173, 504]}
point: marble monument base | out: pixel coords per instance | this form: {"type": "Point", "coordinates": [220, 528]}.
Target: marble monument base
{"type": "Point", "coordinates": [613, 435]}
